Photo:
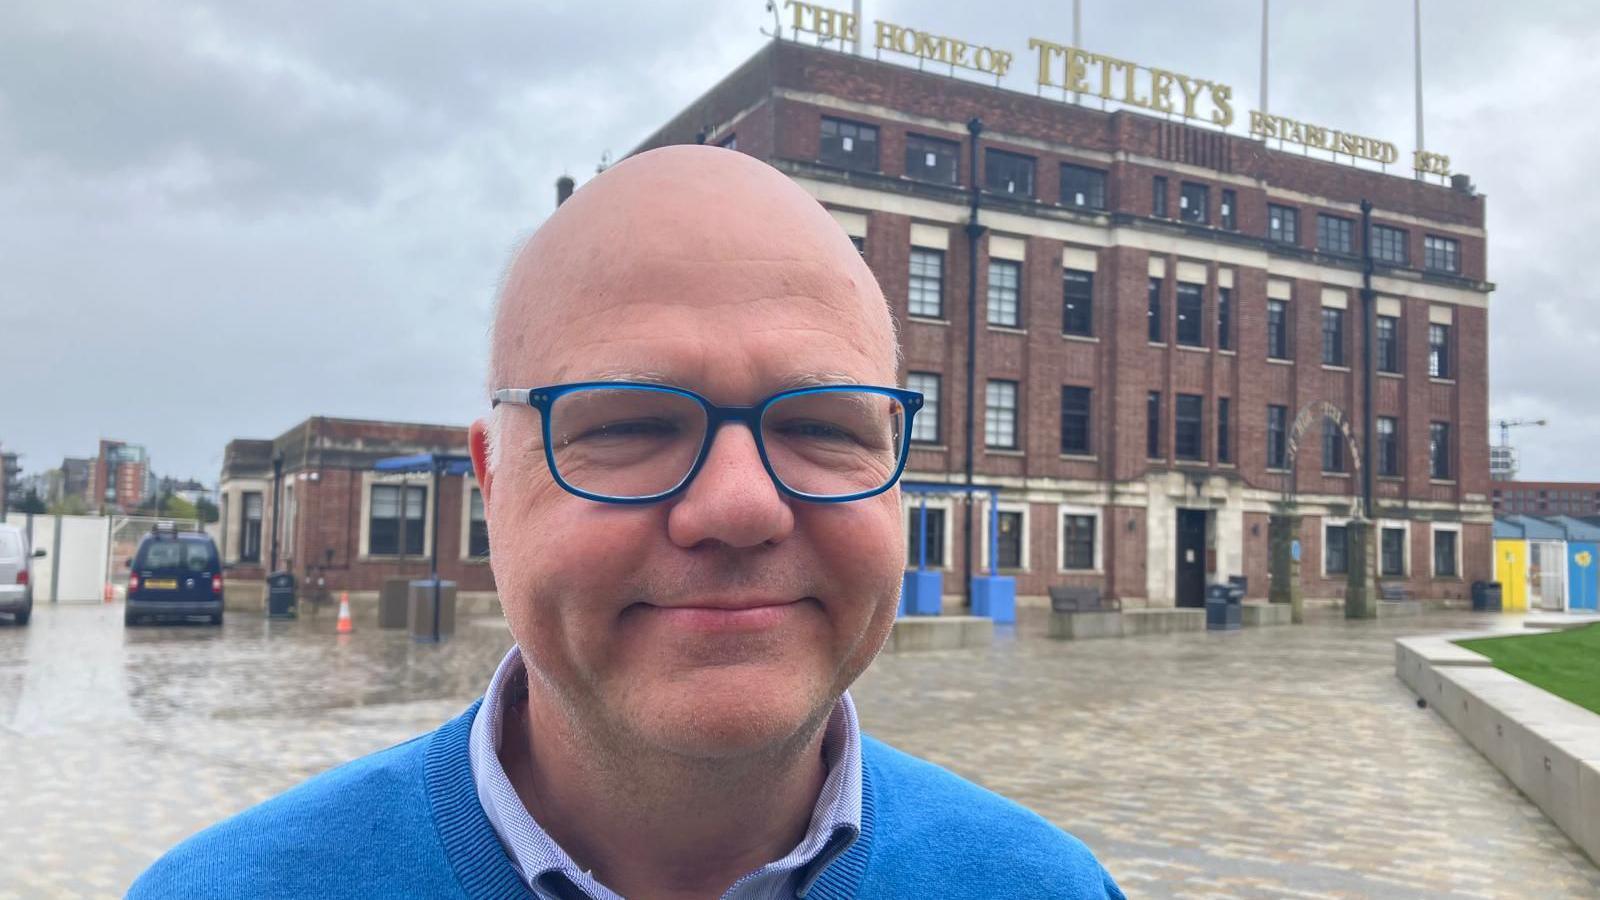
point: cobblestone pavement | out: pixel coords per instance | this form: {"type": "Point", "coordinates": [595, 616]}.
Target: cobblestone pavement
{"type": "Point", "coordinates": [1280, 762]}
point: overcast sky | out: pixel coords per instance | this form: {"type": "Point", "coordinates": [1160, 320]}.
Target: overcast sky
{"type": "Point", "coordinates": [218, 219]}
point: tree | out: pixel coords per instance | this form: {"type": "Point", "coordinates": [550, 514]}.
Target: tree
{"type": "Point", "coordinates": [177, 507]}
{"type": "Point", "coordinates": [207, 511]}
{"type": "Point", "coordinates": [70, 506]}
{"type": "Point", "coordinates": [30, 503]}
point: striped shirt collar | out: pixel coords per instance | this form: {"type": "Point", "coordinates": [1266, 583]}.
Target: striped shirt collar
{"type": "Point", "coordinates": [550, 871]}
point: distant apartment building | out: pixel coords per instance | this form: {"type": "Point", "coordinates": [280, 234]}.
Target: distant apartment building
{"type": "Point", "coordinates": [1546, 498]}
{"type": "Point", "coordinates": [121, 479]}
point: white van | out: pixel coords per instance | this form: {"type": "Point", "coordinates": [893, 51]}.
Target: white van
{"type": "Point", "coordinates": [16, 589]}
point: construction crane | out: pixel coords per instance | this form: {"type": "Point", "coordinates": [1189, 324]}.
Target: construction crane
{"type": "Point", "coordinates": [1503, 458]}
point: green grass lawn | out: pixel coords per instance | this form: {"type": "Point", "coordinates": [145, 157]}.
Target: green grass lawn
{"type": "Point", "coordinates": [1565, 663]}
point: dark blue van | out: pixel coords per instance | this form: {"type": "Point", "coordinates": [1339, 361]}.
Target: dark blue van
{"type": "Point", "coordinates": [174, 574]}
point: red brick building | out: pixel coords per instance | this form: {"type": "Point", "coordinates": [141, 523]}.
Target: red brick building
{"type": "Point", "coordinates": [310, 502]}
{"type": "Point", "coordinates": [1157, 305]}
{"type": "Point", "coordinates": [121, 480]}
{"type": "Point", "coordinates": [1546, 498]}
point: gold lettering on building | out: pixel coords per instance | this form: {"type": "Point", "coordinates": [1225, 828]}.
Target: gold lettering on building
{"type": "Point", "coordinates": [1264, 125]}
{"type": "Point", "coordinates": [1082, 72]}
{"type": "Point", "coordinates": [829, 24]}
{"type": "Point", "coordinates": [940, 49]}
{"type": "Point", "coordinates": [1426, 163]}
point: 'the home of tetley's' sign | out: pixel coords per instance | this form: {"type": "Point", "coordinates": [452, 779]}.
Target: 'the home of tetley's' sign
{"type": "Point", "coordinates": [1084, 73]}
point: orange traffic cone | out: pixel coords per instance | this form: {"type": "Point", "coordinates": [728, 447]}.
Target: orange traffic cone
{"type": "Point", "coordinates": [345, 626]}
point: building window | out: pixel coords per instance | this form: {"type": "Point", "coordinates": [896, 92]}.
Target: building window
{"type": "Point", "coordinates": [1008, 540]}
{"type": "Point", "coordinates": [932, 159]}
{"type": "Point", "coordinates": [1441, 254]}
{"type": "Point", "coordinates": [925, 428]}
{"type": "Point", "coordinates": [1000, 415]}
{"type": "Point", "coordinates": [1439, 450]}
{"type": "Point", "coordinates": [1152, 425]}
{"type": "Point", "coordinates": [926, 292]}
{"type": "Point", "coordinates": [1187, 434]}
{"type": "Point", "coordinates": [731, 142]}
{"type": "Point", "coordinates": [1158, 196]}
{"type": "Point", "coordinates": [1083, 187]}
{"type": "Point", "coordinates": [1191, 329]}
{"type": "Point", "coordinates": [935, 544]}
{"type": "Point", "coordinates": [1224, 425]}
{"type": "Point", "coordinates": [1194, 202]}
{"type": "Point", "coordinates": [250, 527]}
{"type": "Point", "coordinates": [1332, 336]}
{"type": "Point", "coordinates": [1229, 213]}
{"type": "Point", "coordinates": [1008, 173]}
{"type": "Point", "coordinates": [1075, 421]}
{"type": "Point", "coordinates": [1077, 542]}
{"type": "Point", "coordinates": [1388, 344]}
{"type": "Point", "coordinates": [477, 528]}
{"type": "Point", "coordinates": [1077, 303]}
{"type": "Point", "coordinates": [1335, 234]}
{"type": "Point", "coordinates": [1444, 554]}
{"type": "Point", "coordinates": [1388, 446]}
{"type": "Point", "coordinates": [1277, 437]}
{"type": "Point", "coordinates": [1438, 351]}
{"type": "Point", "coordinates": [392, 529]}
{"type": "Point", "coordinates": [1005, 277]}
{"type": "Point", "coordinates": [1392, 552]}
{"type": "Point", "coordinates": [1389, 245]}
{"type": "Point", "coordinates": [1283, 224]}
{"type": "Point", "coordinates": [1224, 318]}
{"type": "Point", "coordinates": [1336, 550]}
{"type": "Point", "coordinates": [849, 145]}
{"type": "Point", "coordinates": [1154, 312]}
{"type": "Point", "coordinates": [1332, 447]}
{"type": "Point", "coordinates": [860, 243]}
{"type": "Point", "coordinates": [1277, 329]}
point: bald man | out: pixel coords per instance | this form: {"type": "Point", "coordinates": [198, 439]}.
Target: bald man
{"type": "Point", "coordinates": [689, 474]}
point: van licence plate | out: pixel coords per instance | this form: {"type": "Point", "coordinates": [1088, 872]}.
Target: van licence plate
{"type": "Point", "coordinates": [162, 584]}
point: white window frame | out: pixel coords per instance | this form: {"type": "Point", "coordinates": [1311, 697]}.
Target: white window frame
{"type": "Point", "coordinates": [910, 503]}
{"type": "Point", "coordinates": [1433, 562]}
{"type": "Point", "coordinates": [469, 483]}
{"type": "Point", "coordinates": [1405, 556]}
{"type": "Point", "coordinates": [994, 409]}
{"type": "Point", "coordinates": [1006, 506]}
{"type": "Point", "coordinates": [929, 411]}
{"type": "Point", "coordinates": [411, 479]}
{"type": "Point", "coordinates": [1068, 509]}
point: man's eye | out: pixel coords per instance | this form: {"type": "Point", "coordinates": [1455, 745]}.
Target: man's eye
{"type": "Point", "coordinates": [631, 428]}
{"type": "Point", "coordinates": [814, 430]}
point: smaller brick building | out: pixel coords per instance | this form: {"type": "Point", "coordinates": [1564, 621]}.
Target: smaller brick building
{"type": "Point", "coordinates": [310, 502]}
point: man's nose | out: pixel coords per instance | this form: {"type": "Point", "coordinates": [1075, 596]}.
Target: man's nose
{"type": "Point", "coordinates": [732, 499]}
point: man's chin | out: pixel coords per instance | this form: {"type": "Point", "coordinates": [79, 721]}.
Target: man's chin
{"type": "Point", "coordinates": [731, 714]}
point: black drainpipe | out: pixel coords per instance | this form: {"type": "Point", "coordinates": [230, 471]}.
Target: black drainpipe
{"type": "Point", "coordinates": [1369, 327]}
{"type": "Point", "coordinates": [974, 231]}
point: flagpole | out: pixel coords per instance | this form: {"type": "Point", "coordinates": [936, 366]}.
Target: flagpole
{"type": "Point", "coordinates": [1264, 11]}
{"type": "Point", "coordinates": [1077, 37]}
{"type": "Point", "coordinates": [1417, 30]}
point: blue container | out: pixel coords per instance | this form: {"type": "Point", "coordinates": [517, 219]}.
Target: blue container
{"type": "Point", "coordinates": [995, 596]}
{"type": "Point", "coordinates": [922, 593]}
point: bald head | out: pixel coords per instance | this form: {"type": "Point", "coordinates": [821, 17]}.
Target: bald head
{"type": "Point", "coordinates": [706, 231]}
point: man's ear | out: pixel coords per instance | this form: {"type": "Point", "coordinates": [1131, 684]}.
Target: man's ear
{"type": "Point", "coordinates": [478, 447]}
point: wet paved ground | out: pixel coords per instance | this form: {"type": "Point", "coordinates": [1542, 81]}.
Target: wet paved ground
{"type": "Point", "coordinates": [1281, 762]}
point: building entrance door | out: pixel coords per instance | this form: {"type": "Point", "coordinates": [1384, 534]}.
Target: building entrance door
{"type": "Point", "coordinates": [1191, 575]}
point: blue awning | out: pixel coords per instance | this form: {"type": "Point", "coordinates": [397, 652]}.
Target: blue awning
{"type": "Point", "coordinates": [445, 463]}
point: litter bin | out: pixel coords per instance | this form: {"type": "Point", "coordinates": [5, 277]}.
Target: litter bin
{"type": "Point", "coordinates": [426, 622]}
{"type": "Point", "coordinates": [393, 604]}
{"type": "Point", "coordinates": [1486, 596]}
{"type": "Point", "coordinates": [280, 595]}
{"type": "Point", "coordinates": [1242, 582]}
{"type": "Point", "coordinates": [1223, 612]}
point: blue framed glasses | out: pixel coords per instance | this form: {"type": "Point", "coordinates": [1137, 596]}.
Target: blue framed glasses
{"type": "Point", "coordinates": [630, 442]}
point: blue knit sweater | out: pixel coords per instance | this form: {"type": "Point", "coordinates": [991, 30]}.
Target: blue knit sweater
{"type": "Point", "coordinates": [405, 822]}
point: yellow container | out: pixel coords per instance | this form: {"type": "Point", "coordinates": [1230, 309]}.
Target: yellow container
{"type": "Point", "coordinates": [1511, 570]}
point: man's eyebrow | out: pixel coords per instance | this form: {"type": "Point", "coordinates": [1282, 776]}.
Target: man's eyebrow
{"type": "Point", "coordinates": [790, 382]}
